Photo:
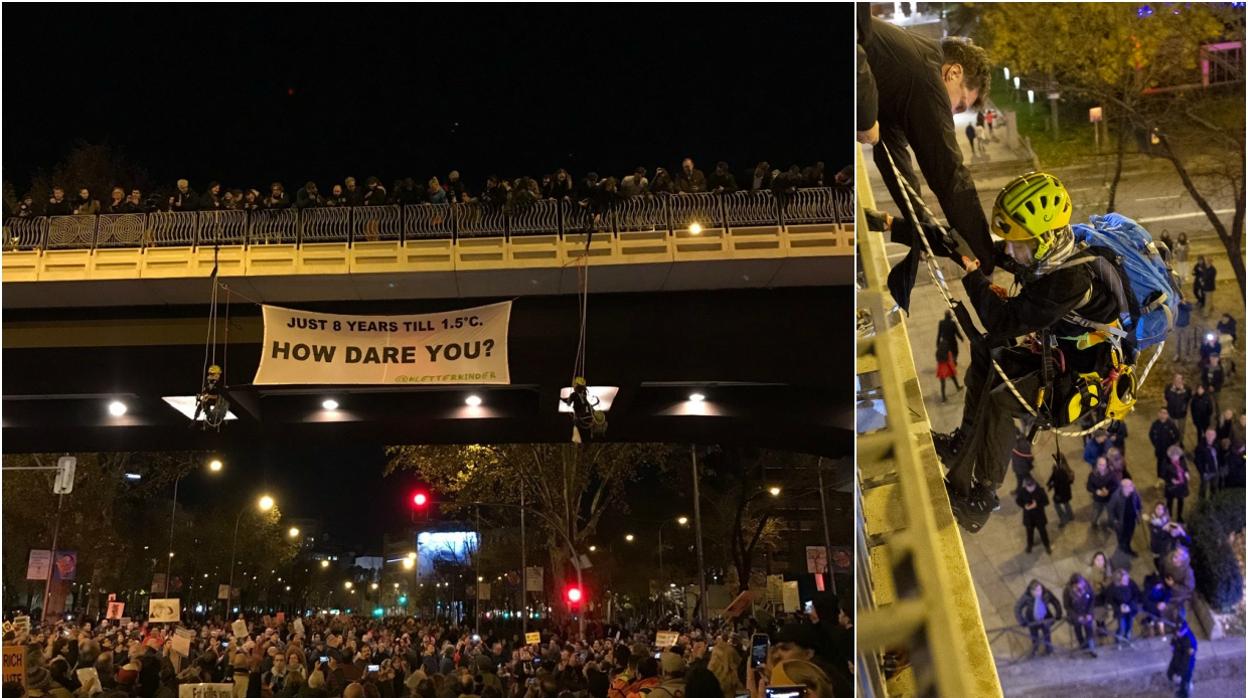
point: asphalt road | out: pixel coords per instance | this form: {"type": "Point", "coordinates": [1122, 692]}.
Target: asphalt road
{"type": "Point", "coordinates": [1150, 191]}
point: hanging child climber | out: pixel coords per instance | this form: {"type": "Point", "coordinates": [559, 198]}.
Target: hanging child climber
{"type": "Point", "coordinates": [1060, 339]}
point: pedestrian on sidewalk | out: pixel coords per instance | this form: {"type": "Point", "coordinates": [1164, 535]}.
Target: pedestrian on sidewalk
{"type": "Point", "coordinates": [1124, 597]}
{"type": "Point", "coordinates": [1184, 331]}
{"type": "Point", "coordinates": [1095, 447]}
{"type": "Point", "coordinates": [1059, 483]}
{"type": "Point", "coordinates": [1080, 605]}
{"type": "Point", "coordinates": [1182, 659]}
{"type": "Point", "coordinates": [990, 117]}
{"type": "Point", "coordinates": [1178, 397]}
{"type": "Point", "coordinates": [1021, 460]}
{"type": "Point", "coordinates": [1101, 484]}
{"type": "Point", "coordinates": [947, 337]}
{"type": "Point", "coordinates": [1033, 500]}
{"type": "Point", "coordinates": [1124, 511]}
{"type": "Point", "coordinates": [1204, 280]}
{"type": "Point", "coordinates": [1202, 408]}
{"type": "Point", "coordinates": [1178, 255]}
{"type": "Point", "coordinates": [1208, 458]}
{"type": "Point", "coordinates": [970, 137]}
{"type": "Point", "coordinates": [1176, 477]}
{"type": "Point", "coordinates": [1037, 610]}
{"type": "Point", "coordinates": [981, 138]}
{"type": "Point", "coordinates": [1163, 434]}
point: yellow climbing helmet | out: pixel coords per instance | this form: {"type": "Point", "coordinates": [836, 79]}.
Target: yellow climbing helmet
{"type": "Point", "coordinates": [214, 370]}
{"type": "Point", "coordinates": [1030, 209]}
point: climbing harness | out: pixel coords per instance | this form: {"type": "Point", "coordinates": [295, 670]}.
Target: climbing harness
{"type": "Point", "coordinates": [211, 400]}
{"type": "Point", "coordinates": [1125, 394]}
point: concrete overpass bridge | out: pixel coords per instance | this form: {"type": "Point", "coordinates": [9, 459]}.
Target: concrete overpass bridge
{"type": "Point", "coordinates": [744, 299]}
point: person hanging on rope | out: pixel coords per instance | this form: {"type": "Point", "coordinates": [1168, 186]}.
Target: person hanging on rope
{"type": "Point", "coordinates": [211, 401]}
{"type": "Point", "coordinates": [909, 88]}
{"type": "Point", "coordinates": [1054, 339]}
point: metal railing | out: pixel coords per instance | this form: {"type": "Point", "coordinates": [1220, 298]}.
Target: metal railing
{"type": "Point", "coordinates": [666, 212]}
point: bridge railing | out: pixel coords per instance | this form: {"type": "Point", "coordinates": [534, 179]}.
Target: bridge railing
{"type": "Point", "coordinates": [664, 212]}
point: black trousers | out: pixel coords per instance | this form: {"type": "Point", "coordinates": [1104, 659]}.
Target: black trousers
{"type": "Point", "coordinates": [1044, 535]}
{"type": "Point", "coordinates": [1085, 633]}
{"type": "Point", "coordinates": [988, 414]}
{"type": "Point", "coordinates": [1175, 504]}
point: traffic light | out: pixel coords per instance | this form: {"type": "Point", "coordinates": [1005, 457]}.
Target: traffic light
{"type": "Point", "coordinates": [419, 502]}
{"type": "Point", "coordinates": [573, 595]}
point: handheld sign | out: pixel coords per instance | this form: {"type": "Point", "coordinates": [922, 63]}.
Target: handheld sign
{"type": "Point", "coordinates": [532, 638]}
{"type": "Point", "coordinates": [666, 638]}
{"type": "Point", "coordinates": [15, 664]}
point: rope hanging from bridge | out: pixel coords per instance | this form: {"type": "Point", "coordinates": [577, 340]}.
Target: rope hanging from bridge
{"type": "Point", "coordinates": [211, 401]}
{"type": "Point", "coordinates": [910, 199]}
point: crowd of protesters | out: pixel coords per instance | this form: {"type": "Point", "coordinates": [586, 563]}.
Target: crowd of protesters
{"type": "Point", "coordinates": [591, 191]}
{"type": "Point", "coordinates": [1106, 601]}
{"type": "Point", "coordinates": [350, 656]}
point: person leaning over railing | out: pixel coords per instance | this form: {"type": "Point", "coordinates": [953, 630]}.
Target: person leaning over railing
{"type": "Point", "coordinates": [721, 180]}
{"type": "Point", "coordinates": [85, 205]}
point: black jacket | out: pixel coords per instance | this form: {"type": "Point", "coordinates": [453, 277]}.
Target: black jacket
{"type": "Point", "coordinates": [1172, 472]}
{"type": "Point", "coordinates": [747, 180]}
{"type": "Point", "coordinates": [1025, 611]}
{"type": "Point", "coordinates": [1208, 458]}
{"type": "Point", "coordinates": [948, 334]}
{"type": "Point", "coordinates": [354, 197]}
{"type": "Point", "coordinates": [1079, 600]}
{"type": "Point", "coordinates": [1177, 401]}
{"type": "Point", "coordinates": [900, 86]}
{"type": "Point", "coordinates": [725, 180]}
{"type": "Point", "coordinates": [1033, 517]}
{"type": "Point", "coordinates": [1163, 435]}
{"type": "Point", "coordinates": [1059, 483]}
{"type": "Point", "coordinates": [1116, 596]}
{"type": "Point", "coordinates": [1097, 481]}
{"type": "Point", "coordinates": [185, 201]}
{"type": "Point", "coordinates": [1202, 410]}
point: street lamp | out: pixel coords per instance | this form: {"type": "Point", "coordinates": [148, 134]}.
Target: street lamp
{"type": "Point", "coordinates": [682, 520]}
{"type": "Point", "coordinates": [324, 564]}
{"type": "Point", "coordinates": [774, 491]}
{"type": "Point", "coordinates": [629, 538]}
{"type": "Point", "coordinates": [347, 584]}
{"type": "Point", "coordinates": [265, 503]}
{"type": "Point", "coordinates": [293, 532]}
{"type": "Point", "coordinates": [214, 466]}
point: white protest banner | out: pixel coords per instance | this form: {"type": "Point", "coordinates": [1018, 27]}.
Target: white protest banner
{"type": "Point", "coordinates": [39, 564]}
{"type": "Point", "coordinates": [466, 346]}
{"type": "Point", "coordinates": [240, 629]}
{"type": "Point", "coordinates": [791, 599]}
{"type": "Point", "coordinates": [533, 578]}
{"type": "Point", "coordinates": [206, 690]}
{"type": "Point", "coordinates": [223, 592]}
{"type": "Point", "coordinates": [775, 588]}
{"type": "Point", "coordinates": [164, 611]}
{"type": "Point", "coordinates": [181, 641]}
{"type": "Point", "coordinates": [666, 638]}
{"type": "Point", "coordinates": [21, 624]}
{"type": "Point", "coordinates": [297, 627]}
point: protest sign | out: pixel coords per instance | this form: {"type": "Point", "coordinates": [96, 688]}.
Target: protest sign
{"type": "Point", "coordinates": [791, 599]}
{"type": "Point", "coordinates": [666, 638]}
{"type": "Point", "coordinates": [89, 679]}
{"type": "Point", "coordinates": [297, 626]}
{"type": "Point", "coordinates": [21, 624]}
{"type": "Point", "coordinates": [39, 564]}
{"type": "Point", "coordinates": [65, 565]}
{"type": "Point", "coordinates": [816, 559]}
{"type": "Point", "coordinates": [775, 588]}
{"type": "Point", "coordinates": [15, 664]}
{"type": "Point", "coordinates": [181, 641]}
{"type": "Point", "coordinates": [223, 592]}
{"type": "Point", "coordinates": [164, 611]}
{"type": "Point", "coordinates": [532, 638]}
{"type": "Point", "coordinates": [206, 690]}
{"type": "Point", "coordinates": [533, 579]}
{"type": "Point", "coordinates": [116, 609]}
{"type": "Point", "coordinates": [240, 629]}
{"type": "Point", "coordinates": [738, 605]}
{"type": "Point", "coordinates": [466, 346]}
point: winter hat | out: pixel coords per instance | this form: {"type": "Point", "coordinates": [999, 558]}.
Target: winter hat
{"type": "Point", "coordinates": [38, 677]}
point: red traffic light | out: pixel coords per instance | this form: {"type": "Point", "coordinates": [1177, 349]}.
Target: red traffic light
{"type": "Point", "coordinates": [420, 499]}
{"type": "Point", "coordinates": [573, 595]}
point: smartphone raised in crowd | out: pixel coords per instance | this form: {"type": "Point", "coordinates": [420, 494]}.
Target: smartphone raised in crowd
{"type": "Point", "coordinates": [374, 668]}
{"type": "Point", "coordinates": [759, 644]}
{"type": "Point", "coordinates": [785, 691]}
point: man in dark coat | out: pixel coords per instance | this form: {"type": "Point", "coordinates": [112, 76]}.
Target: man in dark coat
{"type": "Point", "coordinates": [1202, 408]}
{"type": "Point", "coordinates": [1209, 463]}
{"type": "Point", "coordinates": [1033, 500]}
{"type": "Point", "coordinates": [1037, 609]}
{"type": "Point", "coordinates": [1163, 434]}
{"type": "Point", "coordinates": [909, 88]}
{"type": "Point", "coordinates": [1124, 512]}
{"type": "Point", "coordinates": [1022, 460]}
{"type": "Point", "coordinates": [1178, 396]}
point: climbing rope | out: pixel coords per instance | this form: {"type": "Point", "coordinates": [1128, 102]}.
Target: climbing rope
{"type": "Point", "coordinates": [938, 278]}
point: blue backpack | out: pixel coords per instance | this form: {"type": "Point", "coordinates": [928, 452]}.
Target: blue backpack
{"type": "Point", "coordinates": [1154, 294]}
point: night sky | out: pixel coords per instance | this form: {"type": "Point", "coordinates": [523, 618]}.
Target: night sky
{"type": "Point", "coordinates": [247, 94]}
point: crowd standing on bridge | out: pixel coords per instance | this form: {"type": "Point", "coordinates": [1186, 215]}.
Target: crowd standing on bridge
{"type": "Point", "coordinates": [350, 656]}
{"type": "Point", "coordinates": [591, 191]}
